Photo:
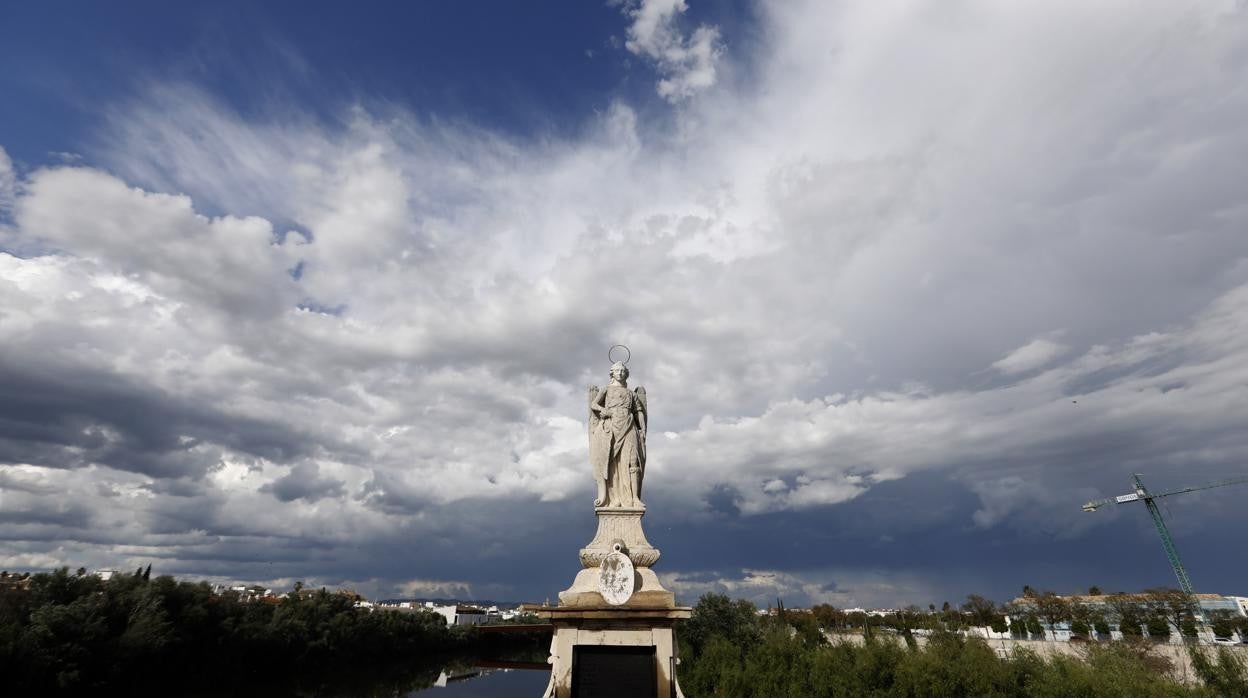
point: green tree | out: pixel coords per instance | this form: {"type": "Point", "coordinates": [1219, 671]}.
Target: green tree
{"type": "Point", "coordinates": [1175, 605]}
{"type": "Point", "coordinates": [715, 615]}
{"type": "Point", "coordinates": [1158, 627]}
{"type": "Point", "coordinates": [1222, 623]}
{"type": "Point", "coordinates": [1129, 612]}
{"type": "Point", "coordinates": [1053, 610]}
{"type": "Point", "coordinates": [982, 612]}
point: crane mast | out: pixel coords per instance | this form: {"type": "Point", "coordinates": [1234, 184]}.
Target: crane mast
{"type": "Point", "coordinates": [1172, 553]}
{"type": "Point", "coordinates": [1141, 493]}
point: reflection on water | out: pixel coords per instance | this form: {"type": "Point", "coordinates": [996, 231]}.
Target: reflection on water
{"type": "Point", "coordinates": [480, 682]}
{"type": "Point", "coordinates": [449, 677]}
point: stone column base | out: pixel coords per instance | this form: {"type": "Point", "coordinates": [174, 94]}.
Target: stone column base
{"type": "Point", "coordinates": [647, 591]}
{"type": "Point", "coordinates": [598, 637]}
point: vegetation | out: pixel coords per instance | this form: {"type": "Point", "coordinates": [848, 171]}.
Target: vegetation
{"type": "Point", "coordinates": [66, 633]}
{"type": "Point", "coordinates": [63, 633]}
{"type": "Point", "coordinates": [731, 651]}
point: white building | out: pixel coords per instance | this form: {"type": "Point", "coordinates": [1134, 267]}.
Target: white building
{"type": "Point", "coordinates": [459, 614]}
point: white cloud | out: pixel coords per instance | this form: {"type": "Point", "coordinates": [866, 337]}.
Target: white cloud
{"type": "Point", "coordinates": [1032, 355]}
{"type": "Point", "coordinates": [417, 588]}
{"type": "Point", "coordinates": [688, 64]}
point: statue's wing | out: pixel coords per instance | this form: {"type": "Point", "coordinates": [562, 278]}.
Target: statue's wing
{"type": "Point", "coordinates": [644, 417]}
{"type": "Point", "coordinates": [593, 397]}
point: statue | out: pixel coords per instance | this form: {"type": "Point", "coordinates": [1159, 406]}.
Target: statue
{"type": "Point", "coordinates": [617, 440]}
{"type": "Point", "coordinates": [616, 601]}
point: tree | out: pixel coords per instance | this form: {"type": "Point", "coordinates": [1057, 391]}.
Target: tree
{"type": "Point", "coordinates": [1086, 618]}
{"type": "Point", "coordinates": [1129, 612]}
{"type": "Point", "coordinates": [1174, 605]}
{"type": "Point", "coordinates": [1094, 590]}
{"type": "Point", "coordinates": [830, 617]}
{"type": "Point", "coordinates": [718, 616]}
{"type": "Point", "coordinates": [1223, 623]}
{"type": "Point", "coordinates": [1028, 592]}
{"type": "Point", "coordinates": [981, 610]}
{"type": "Point", "coordinates": [1158, 627]}
{"type": "Point", "coordinates": [1080, 629]}
{"type": "Point", "coordinates": [1053, 609]}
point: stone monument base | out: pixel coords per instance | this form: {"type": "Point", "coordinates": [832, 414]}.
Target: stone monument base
{"type": "Point", "coordinates": [649, 592]}
{"type": "Point", "coordinates": [609, 651]}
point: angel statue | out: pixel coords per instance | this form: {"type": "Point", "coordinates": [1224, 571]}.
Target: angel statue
{"type": "Point", "coordinates": [617, 440]}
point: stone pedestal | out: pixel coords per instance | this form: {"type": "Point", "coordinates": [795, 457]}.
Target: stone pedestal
{"type": "Point", "coordinates": [634, 639]}
{"type": "Point", "coordinates": [580, 634]}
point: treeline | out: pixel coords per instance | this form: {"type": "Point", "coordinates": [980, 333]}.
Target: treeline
{"type": "Point", "coordinates": [63, 633]}
{"type": "Point", "coordinates": [1153, 613]}
{"type": "Point", "coordinates": [730, 651]}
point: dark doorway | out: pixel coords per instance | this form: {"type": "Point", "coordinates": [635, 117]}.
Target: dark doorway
{"type": "Point", "coordinates": [613, 671]}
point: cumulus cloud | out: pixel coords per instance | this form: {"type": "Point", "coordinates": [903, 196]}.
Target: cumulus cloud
{"type": "Point", "coordinates": [1180, 388]}
{"type": "Point", "coordinates": [687, 63]}
{"type": "Point", "coordinates": [269, 345]}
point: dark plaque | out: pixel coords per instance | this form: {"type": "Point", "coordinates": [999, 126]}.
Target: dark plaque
{"type": "Point", "coordinates": [614, 671]}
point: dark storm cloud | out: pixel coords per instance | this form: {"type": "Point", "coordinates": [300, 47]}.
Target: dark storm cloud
{"type": "Point", "coordinates": [304, 482]}
{"type": "Point", "coordinates": [66, 416]}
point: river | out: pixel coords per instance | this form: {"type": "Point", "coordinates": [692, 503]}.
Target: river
{"type": "Point", "coordinates": [478, 682]}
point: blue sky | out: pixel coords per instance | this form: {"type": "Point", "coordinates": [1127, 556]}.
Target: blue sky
{"type": "Point", "coordinates": [527, 69]}
{"type": "Point", "coordinates": [313, 292]}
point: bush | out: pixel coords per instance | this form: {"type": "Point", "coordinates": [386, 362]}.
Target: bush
{"type": "Point", "coordinates": [1226, 675]}
{"type": "Point", "coordinates": [781, 664]}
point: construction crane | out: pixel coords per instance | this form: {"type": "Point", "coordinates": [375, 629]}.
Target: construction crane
{"type": "Point", "coordinates": [1141, 494]}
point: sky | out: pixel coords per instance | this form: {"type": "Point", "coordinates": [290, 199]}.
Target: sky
{"type": "Point", "coordinates": [314, 291]}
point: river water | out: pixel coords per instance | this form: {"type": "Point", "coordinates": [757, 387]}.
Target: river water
{"type": "Point", "coordinates": [486, 683]}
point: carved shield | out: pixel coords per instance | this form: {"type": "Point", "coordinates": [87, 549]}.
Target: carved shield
{"type": "Point", "coordinates": [615, 579]}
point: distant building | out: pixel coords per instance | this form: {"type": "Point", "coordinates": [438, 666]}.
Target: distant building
{"type": "Point", "coordinates": [15, 580]}
{"type": "Point", "coordinates": [461, 614]}
{"type": "Point", "coordinates": [1210, 605]}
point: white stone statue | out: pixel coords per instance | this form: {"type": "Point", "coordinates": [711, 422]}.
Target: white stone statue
{"type": "Point", "coordinates": [617, 440]}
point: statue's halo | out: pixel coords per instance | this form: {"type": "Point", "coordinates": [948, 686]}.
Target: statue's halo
{"type": "Point", "coordinates": [611, 354]}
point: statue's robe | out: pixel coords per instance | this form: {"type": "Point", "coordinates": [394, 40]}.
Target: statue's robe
{"type": "Point", "coordinates": [615, 446]}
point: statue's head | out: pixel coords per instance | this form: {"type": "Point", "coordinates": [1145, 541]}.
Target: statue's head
{"type": "Point", "coordinates": [619, 371]}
